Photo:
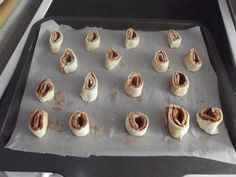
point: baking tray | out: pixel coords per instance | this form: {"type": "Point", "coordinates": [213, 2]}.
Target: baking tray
{"type": "Point", "coordinates": [9, 106]}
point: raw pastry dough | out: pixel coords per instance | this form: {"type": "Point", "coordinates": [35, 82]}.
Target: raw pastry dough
{"type": "Point", "coordinates": [68, 61]}
{"type": "Point", "coordinates": [174, 39]}
{"type": "Point", "coordinates": [38, 123]}
{"type": "Point", "coordinates": [160, 61]}
{"type": "Point", "coordinates": [179, 84]}
{"type": "Point", "coordinates": [134, 84]}
{"type": "Point", "coordinates": [208, 119]}
{"type": "Point", "coordinates": [90, 88]}
{"type": "Point", "coordinates": [55, 40]}
{"type": "Point", "coordinates": [192, 60]}
{"type": "Point", "coordinates": [177, 119]}
{"type": "Point", "coordinates": [92, 40]}
{"type": "Point", "coordinates": [131, 38]}
{"type": "Point", "coordinates": [112, 58]}
{"type": "Point", "coordinates": [136, 123]}
{"type": "Point", "coordinates": [45, 91]}
{"type": "Point", "coordinates": [79, 123]}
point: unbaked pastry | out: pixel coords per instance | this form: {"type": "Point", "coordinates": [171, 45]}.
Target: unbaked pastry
{"type": "Point", "coordinates": [90, 88]}
{"type": "Point", "coordinates": [192, 60]}
{"type": "Point", "coordinates": [136, 123]}
{"type": "Point", "coordinates": [55, 40]}
{"type": "Point", "coordinates": [134, 84]}
{"type": "Point", "coordinates": [68, 61]}
{"type": "Point", "coordinates": [38, 122]}
{"type": "Point", "coordinates": [79, 123]}
{"type": "Point", "coordinates": [177, 119]}
{"type": "Point", "coordinates": [45, 91]}
{"type": "Point", "coordinates": [179, 84]}
{"type": "Point", "coordinates": [208, 119]}
{"type": "Point", "coordinates": [112, 58]}
{"type": "Point", "coordinates": [92, 40]}
{"type": "Point", "coordinates": [160, 61]}
{"type": "Point", "coordinates": [174, 39]}
{"type": "Point", "coordinates": [131, 38]}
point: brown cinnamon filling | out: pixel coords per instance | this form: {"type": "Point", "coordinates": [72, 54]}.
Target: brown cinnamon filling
{"type": "Point", "coordinates": [138, 121]}
{"type": "Point", "coordinates": [79, 120]}
{"type": "Point", "coordinates": [44, 87]}
{"type": "Point", "coordinates": [36, 120]}
{"type": "Point", "coordinates": [210, 114]}
{"type": "Point", "coordinates": [177, 114]}
{"type": "Point", "coordinates": [195, 56]}
{"type": "Point", "coordinates": [179, 79]}
{"type": "Point", "coordinates": [112, 54]}
{"type": "Point", "coordinates": [92, 36]}
{"type": "Point", "coordinates": [161, 56]}
{"type": "Point", "coordinates": [131, 34]}
{"type": "Point", "coordinates": [55, 35]}
{"type": "Point", "coordinates": [174, 34]}
{"type": "Point", "coordinates": [136, 80]}
{"type": "Point", "coordinates": [67, 57]}
{"type": "Point", "coordinates": [90, 80]}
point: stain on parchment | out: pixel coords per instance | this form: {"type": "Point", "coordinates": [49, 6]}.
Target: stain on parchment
{"type": "Point", "coordinates": [114, 96]}
{"type": "Point", "coordinates": [96, 129]}
{"type": "Point", "coordinates": [56, 125]}
{"type": "Point", "coordinates": [139, 98]}
{"type": "Point", "coordinates": [57, 103]}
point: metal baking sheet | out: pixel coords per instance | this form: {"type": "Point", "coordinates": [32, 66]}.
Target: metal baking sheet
{"type": "Point", "coordinates": [107, 114]}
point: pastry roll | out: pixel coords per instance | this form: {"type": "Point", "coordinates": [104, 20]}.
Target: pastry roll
{"type": "Point", "coordinates": [160, 61]}
{"type": "Point", "coordinates": [38, 123]}
{"type": "Point", "coordinates": [90, 88]}
{"type": "Point", "coordinates": [55, 40]}
{"type": "Point", "coordinates": [208, 119]}
{"type": "Point", "coordinates": [134, 84]}
{"type": "Point", "coordinates": [112, 58]}
{"type": "Point", "coordinates": [131, 38]}
{"type": "Point", "coordinates": [192, 60]}
{"type": "Point", "coordinates": [79, 123]}
{"type": "Point", "coordinates": [179, 84]}
{"type": "Point", "coordinates": [177, 119]}
{"type": "Point", "coordinates": [68, 61]}
{"type": "Point", "coordinates": [45, 91]}
{"type": "Point", "coordinates": [174, 39]}
{"type": "Point", "coordinates": [92, 40]}
{"type": "Point", "coordinates": [136, 123]}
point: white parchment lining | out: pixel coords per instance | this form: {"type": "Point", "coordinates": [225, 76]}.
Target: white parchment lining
{"type": "Point", "coordinates": [107, 114]}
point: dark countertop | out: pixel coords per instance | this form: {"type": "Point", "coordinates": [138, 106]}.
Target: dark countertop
{"type": "Point", "coordinates": [206, 12]}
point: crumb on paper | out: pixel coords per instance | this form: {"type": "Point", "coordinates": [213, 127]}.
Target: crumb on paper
{"type": "Point", "coordinates": [122, 64]}
{"type": "Point", "coordinates": [139, 98]}
{"type": "Point", "coordinates": [57, 102]}
{"type": "Point", "coordinates": [56, 125]}
{"type": "Point", "coordinates": [200, 101]}
{"type": "Point", "coordinates": [96, 129]}
{"type": "Point", "coordinates": [114, 96]}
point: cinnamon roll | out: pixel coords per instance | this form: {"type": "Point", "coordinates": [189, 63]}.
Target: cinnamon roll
{"type": "Point", "coordinates": [90, 88]}
{"type": "Point", "coordinates": [134, 84]}
{"type": "Point", "coordinates": [38, 123]}
{"type": "Point", "coordinates": [92, 40]}
{"type": "Point", "coordinates": [55, 40]}
{"type": "Point", "coordinates": [179, 84]}
{"type": "Point", "coordinates": [136, 123]}
{"type": "Point", "coordinates": [174, 39]}
{"type": "Point", "coordinates": [160, 61]}
{"type": "Point", "coordinates": [45, 91]}
{"type": "Point", "coordinates": [131, 38]}
{"type": "Point", "coordinates": [79, 123]}
{"type": "Point", "coordinates": [177, 119]}
{"type": "Point", "coordinates": [68, 61]}
{"type": "Point", "coordinates": [208, 119]}
{"type": "Point", "coordinates": [112, 58]}
{"type": "Point", "coordinates": [192, 60]}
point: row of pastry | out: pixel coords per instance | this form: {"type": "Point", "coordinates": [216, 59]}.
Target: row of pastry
{"type": "Point", "coordinates": [179, 85]}
{"type": "Point", "coordinates": [160, 62]}
{"type": "Point", "coordinates": [136, 123]}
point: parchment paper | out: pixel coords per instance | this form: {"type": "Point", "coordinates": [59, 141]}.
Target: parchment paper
{"type": "Point", "coordinates": [107, 114]}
